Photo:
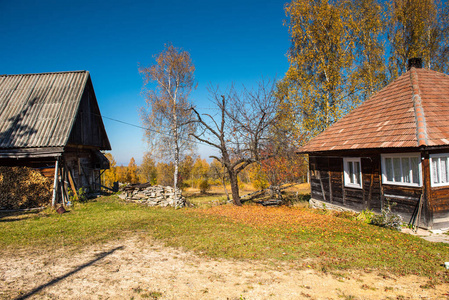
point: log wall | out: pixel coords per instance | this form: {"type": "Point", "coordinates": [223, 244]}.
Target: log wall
{"type": "Point", "coordinates": [327, 184]}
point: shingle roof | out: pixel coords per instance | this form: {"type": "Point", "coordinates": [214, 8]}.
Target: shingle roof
{"type": "Point", "coordinates": [38, 110]}
{"type": "Point", "coordinates": [411, 111]}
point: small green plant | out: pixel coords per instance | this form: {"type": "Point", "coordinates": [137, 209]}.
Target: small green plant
{"type": "Point", "coordinates": [387, 218]}
{"type": "Point", "coordinates": [152, 295]}
{"type": "Point", "coordinates": [81, 195]}
{"type": "Point", "coordinates": [365, 216]}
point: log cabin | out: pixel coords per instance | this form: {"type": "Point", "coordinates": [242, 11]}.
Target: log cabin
{"type": "Point", "coordinates": [392, 149]}
{"type": "Point", "coordinates": [52, 122]}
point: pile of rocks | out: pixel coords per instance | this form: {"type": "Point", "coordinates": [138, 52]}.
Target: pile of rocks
{"type": "Point", "coordinates": [153, 195]}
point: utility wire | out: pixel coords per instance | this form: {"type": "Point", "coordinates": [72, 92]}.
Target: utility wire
{"type": "Point", "coordinates": [149, 129]}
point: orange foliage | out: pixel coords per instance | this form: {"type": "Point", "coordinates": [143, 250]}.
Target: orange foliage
{"type": "Point", "coordinates": [259, 216]}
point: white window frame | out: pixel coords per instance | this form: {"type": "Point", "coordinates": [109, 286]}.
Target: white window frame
{"type": "Point", "coordinates": [348, 182]}
{"type": "Point", "coordinates": [432, 158]}
{"type": "Point", "coordinates": [401, 183]}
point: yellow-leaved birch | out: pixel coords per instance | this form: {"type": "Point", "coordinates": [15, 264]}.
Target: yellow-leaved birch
{"type": "Point", "coordinates": [321, 62]}
{"type": "Point", "coordinates": [167, 114]}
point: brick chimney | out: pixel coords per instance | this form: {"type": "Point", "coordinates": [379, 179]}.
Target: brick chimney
{"type": "Point", "coordinates": [415, 62]}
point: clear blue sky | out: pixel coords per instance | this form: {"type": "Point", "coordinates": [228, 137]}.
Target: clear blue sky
{"type": "Point", "coordinates": [234, 41]}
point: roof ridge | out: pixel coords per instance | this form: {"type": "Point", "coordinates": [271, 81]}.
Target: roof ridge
{"type": "Point", "coordinates": [420, 119]}
{"type": "Point", "coordinates": [45, 73]}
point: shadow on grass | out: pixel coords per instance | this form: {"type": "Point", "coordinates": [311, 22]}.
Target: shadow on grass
{"type": "Point", "coordinates": [17, 215]}
{"type": "Point", "coordinates": [79, 268]}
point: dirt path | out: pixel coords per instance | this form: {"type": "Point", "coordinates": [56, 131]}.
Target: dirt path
{"type": "Point", "coordinates": [138, 268]}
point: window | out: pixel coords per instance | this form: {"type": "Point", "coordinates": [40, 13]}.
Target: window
{"type": "Point", "coordinates": [353, 172]}
{"type": "Point", "coordinates": [439, 173]}
{"type": "Point", "coordinates": [402, 169]}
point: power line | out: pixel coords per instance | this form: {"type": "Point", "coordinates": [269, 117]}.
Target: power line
{"type": "Point", "coordinates": [149, 129]}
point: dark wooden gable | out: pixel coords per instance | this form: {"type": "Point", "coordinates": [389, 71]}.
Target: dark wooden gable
{"type": "Point", "coordinates": [88, 128]}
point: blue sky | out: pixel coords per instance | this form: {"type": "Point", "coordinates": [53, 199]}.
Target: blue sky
{"type": "Point", "coordinates": [229, 42]}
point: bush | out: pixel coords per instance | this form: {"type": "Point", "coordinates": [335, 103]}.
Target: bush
{"type": "Point", "coordinates": [387, 219]}
{"type": "Point", "coordinates": [366, 216]}
{"type": "Point", "coordinates": [204, 186]}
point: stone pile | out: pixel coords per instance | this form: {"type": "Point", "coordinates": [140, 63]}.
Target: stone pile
{"type": "Point", "coordinates": [154, 195]}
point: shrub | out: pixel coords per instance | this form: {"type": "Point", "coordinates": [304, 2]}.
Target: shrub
{"type": "Point", "coordinates": [387, 219]}
{"type": "Point", "coordinates": [365, 216]}
{"type": "Point", "coordinates": [204, 186]}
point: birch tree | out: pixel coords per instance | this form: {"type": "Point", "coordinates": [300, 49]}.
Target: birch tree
{"type": "Point", "coordinates": [321, 62]}
{"type": "Point", "coordinates": [167, 85]}
{"type": "Point", "coordinates": [418, 29]}
{"type": "Point", "coordinates": [370, 74]}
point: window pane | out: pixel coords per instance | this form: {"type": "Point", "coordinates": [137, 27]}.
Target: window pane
{"type": "Point", "coordinates": [435, 172]}
{"type": "Point", "coordinates": [406, 169]}
{"type": "Point", "coordinates": [356, 172]}
{"type": "Point", "coordinates": [415, 169]}
{"type": "Point", "coordinates": [351, 172]}
{"type": "Point", "coordinates": [397, 169]}
{"type": "Point", "coordinates": [443, 170]}
{"type": "Point", "coordinates": [389, 169]}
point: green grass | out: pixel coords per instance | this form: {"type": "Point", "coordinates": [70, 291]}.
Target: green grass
{"type": "Point", "coordinates": [330, 243]}
{"type": "Point", "coordinates": [206, 200]}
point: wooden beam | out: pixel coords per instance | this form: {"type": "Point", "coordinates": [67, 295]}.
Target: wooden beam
{"type": "Point", "coordinates": [72, 184]}
{"type": "Point", "coordinates": [55, 185]}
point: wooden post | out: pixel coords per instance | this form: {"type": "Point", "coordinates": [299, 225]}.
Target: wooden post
{"type": "Point", "coordinates": [55, 185]}
{"type": "Point", "coordinates": [64, 193]}
{"type": "Point", "coordinates": [72, 184]}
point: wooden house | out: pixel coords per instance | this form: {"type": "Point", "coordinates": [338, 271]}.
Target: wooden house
{"type": "Point", "coordinates": [394, 147]}
{"type": "Point", "coordinates": [52, 122]}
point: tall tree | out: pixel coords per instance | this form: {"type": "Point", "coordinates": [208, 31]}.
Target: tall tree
{"type": "Point", "coordinates": [418, 29]}
{"type": "Point", "coordinates": [167, 113]}
{"type": "Point", "coordinates": [131, 172]}
{"type": "Point", "coordinates": [147, 170]}
{"type": "Point", "coordinates": [343, 51]}
{"type": "Point", "coordinates": [110, 175]}
{"type": "Point", "coordinates": [321, 61]}
{"type": "Point", "coordinates": [163, 173]}
{"type": "Point", "coordinates": [242, 129]}
{"type": "Point", "coordinates": [370, 73]}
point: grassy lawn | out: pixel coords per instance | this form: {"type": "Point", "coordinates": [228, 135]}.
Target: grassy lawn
{"type": "Point", "coordinates": [300, 236]}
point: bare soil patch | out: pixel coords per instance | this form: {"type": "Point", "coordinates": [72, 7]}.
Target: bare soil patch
{"type": "Point", "coordinates": [136, 267]}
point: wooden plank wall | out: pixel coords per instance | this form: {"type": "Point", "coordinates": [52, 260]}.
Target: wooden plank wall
{"type": "Point", "coordinates": [327, 183]}
{"type": "Point", "coordinates": [439, 206]}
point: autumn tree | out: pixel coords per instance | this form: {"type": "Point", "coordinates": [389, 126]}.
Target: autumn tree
{"type": "Point", "coordinates": [185, 170]}
{"type": "Point", "coordinates": [418, 29]}
{"type": "Point", "coordinates": [343, 51]}
{"type": "Point", "coordinates": [167, 113]}
{"type": "Point", "coordinates": [199, 172]}
{"type": "Point", "coordinates": [121, 174]}
{"type": "Point", "coordinates": [370, 70]}
{"type": "Point", "coordinates": [147, 170]}
{"type": "Point", "coordinates": [110, 175]}
{"type": "Point", "coordinates": [241, 130]}
{"type": "Point", "coordinates": [131, 172]}
{"type": "Point", "coordinates": [321, 58]}
{"type": "Point", "coordinates": [164, 171]}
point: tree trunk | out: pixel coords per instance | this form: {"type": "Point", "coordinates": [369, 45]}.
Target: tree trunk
{"type": "Point", "coordinates": [234, 188]}
{"type": "Point", "coordinates": [175, 175]}
{"type": "Point", "coordinates": [223, 179]}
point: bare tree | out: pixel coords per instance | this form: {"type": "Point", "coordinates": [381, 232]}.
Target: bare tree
{"type": "Point", "coordinates": [242, 130]}
{"type": "Point", "coordinates": [167, 115]}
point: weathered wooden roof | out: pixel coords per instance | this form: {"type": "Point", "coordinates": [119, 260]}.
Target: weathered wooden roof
{"type": "Point", "coordinates": [412, 111]}
{"type": "Point", "coordinates": [39, 110]}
